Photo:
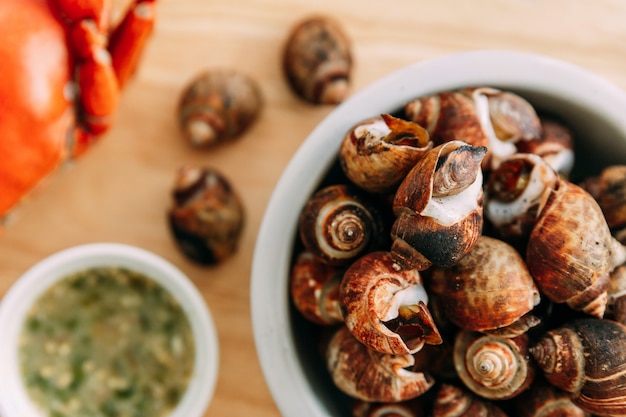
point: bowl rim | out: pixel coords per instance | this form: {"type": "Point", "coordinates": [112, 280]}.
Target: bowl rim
{"type": "Point", "coordinates": [272, 254]}
{"type": "Point", "coordinates": [14, 400]}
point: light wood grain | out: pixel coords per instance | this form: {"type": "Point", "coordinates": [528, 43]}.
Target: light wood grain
{"type": "Point", "coordinates": [120, 190]}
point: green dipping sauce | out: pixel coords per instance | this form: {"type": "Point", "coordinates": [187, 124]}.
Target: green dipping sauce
{"type": "Point", "coordinates": [106, 342]}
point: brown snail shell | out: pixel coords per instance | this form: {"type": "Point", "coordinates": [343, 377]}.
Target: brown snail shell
{"type": "Point", "coordinates": [492, 277]}
{"type": "Point", "coordinates": [314, 288]}
{"type": "Point", "coordinates": [438, 207]}
{"type": "Point", "coordinates": [609, 190]}
{"type": "Point", "coordinates": [207, 217]}
{"type": "Point", "coordinates": [616, 295]}
{"type": "Point", "coordinates": [555, 145]}
{"type": "Point", "coordinates": [491, 366]}
{"type": "Point", "coordinates": [514, 193]}
{"type": "Point", "coordinates": [587, 358]}
{"type": "Point", "coordinates": [317, 60]}
{"type": "Point", "coordinates": [570, 251]}
{"type": "Point", "coordinates": [217, 106]}
{"type": "Point", "coordinates": [409, 408]}
{"type": "Point", "coordinates": [545, 400]}
{"type": "Point", "coordinates": [377, 153]}
{"type": "Point", "coordinates": [453, 401]}
{"type": "Point", "coordinates": [385, 306]}
{"type": "Point", "coordinates": [373, 376]}
{"type": "Point", "coordinates": [480, 116]}
{"type": "Point", "coordinates": [339, 224]}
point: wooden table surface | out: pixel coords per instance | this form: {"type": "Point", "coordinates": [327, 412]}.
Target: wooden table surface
{"type": "Point", "coordinates": [120, 190]}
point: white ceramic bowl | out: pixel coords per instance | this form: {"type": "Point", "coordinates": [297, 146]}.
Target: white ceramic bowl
{"type": "Point", "coordinates": [592, 107]}
{"type": "Point", "coordinates": [14, 401]}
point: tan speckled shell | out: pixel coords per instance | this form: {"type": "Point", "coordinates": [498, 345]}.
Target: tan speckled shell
{"type": "Point", "coordinates": [377, 164]}
{"type": "Point", "coordinates": [366, 294]}
{"type": "Point", "coordinates": [587, 357]}
{"type": "Point", "coordinates": [314, 289]}
{"type": "Point", "coordinates": [368, 375]}
{"type": "Point", "coordinates": [453, 401]}
{"type": "Point", "coordinates": [492, 278]}
{"type": "Point", "coordinates": [570, 250]}
{"type": "Point", "coordinates": [491, 366]}
{"type": "Point", "coordinates": [420, 240]}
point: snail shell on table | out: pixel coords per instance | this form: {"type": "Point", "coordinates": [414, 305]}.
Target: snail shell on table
{"type": "Point", "coordinates": [385, 306]}
{"type": "Point", "coordinates": [571, 252]}
{"type": "Point", "coordinates": [491, 278]}
{"type": "Point", "coordinates": [514, 193]}
{"type": "Point", "coordinates": [377, 153]}
{"type": "Point", "coordinates": [373, 376]}
{"type": "Point", "coordinates": [453, 401]}
{"type": "Point", "coordinates": [587, 357]}
{"type": "Point", "coordinates": [438, 207]}
{"type": "Point", "coordinates": [314, 288]}
{"type": "Point", "coordinates": [317, 60]}
{"type": "Point", "coordinates": [218, 105]}
{"type": "Point", "coordinates": [480, 116]}
{"type": "Point", "coordinates": [491, 366]}
{"type": "Point", "coordinates": [338, 225]}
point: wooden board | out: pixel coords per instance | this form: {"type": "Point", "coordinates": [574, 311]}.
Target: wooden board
{"type": "Point", "coordinates": [120, 190]}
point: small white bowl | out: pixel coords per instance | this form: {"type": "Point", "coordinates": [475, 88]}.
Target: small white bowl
{"type": "Point", "coordinates": [14, 400]}
{"type": "Point", "coordinates": [591, 106]}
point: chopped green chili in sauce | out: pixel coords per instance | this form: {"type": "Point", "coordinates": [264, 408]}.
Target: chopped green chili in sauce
{"type": "Point", "coordinates": [107, 342]}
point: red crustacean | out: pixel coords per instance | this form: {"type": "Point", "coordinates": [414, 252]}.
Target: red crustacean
{"type": "Point", "coordinates": [63, 65]}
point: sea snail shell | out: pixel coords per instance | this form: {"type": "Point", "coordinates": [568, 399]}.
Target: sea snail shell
{"type": "Point", "coordinates": [545, 400]}
{"type": "Point", "coordinates": [491, 278]}
{"type": "Point", "coordinates": [337, 225]}
{"type": "Point", "coordinates": [369, 375]}
{"type": "Point", "coordinates": [571, 252]}
{"type": "Point", "coordinates": [491, 366]}
{"type": "Point", "coordinates": [587, 357]}
{"type": "Point", "coordinates": [409, 408]}
{"type": "Point", "coordinates": [377, 153]}
{"type": "Point", "coordinates": [385, 306]}
{"type": "Point", "coordinates": [314, 288]}
{"type": "Point", "coordinates": [317, 60]}
{"type": "Point", "coordinates": [453, 401]}
{"type": "Point", "coordinates": [438, 207]}
{"type": "Point", "coordinates": [218, 105]}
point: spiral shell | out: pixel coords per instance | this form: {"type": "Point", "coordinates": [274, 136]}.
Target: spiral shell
{"type": "Point", "coordinates": [555, 146]}
{"type": "Point", "coordinates": [377, 153]}
{"type": "Point", "coordinates": [545, 400]}
{"type": "Point", "coordinates": [491, 366]}
{"type": "Point", "coordinates": [338, 225]}
{"type": "Point", "coordinates": [438, 207]}
{"type": "Point", "coordinates": [314, 288]}
{"type": "Point", "coordinates": [514, 193]}
{"type": "Point", "coordinates": [207, 216]}
{"type": "Point", "coordinates": [587, 357]}
{"type": "Point", "coordinates": [480, 116]}
{"type": "Point", "coordinates": [410, 408]}
{"type": "Point", "coordinates": [218, 105]}
{"type": "Point", "coordinates": [317, 60]}
{"type": "Point", "coordinates": [570, 250]}
{"type": "Point", "coordinates": [453, 401]}
{"type": "Point", "coordinates": [385, 306]}
{"type": "Point", "coordinates": [492, 277]}
{"type": "Point", "coordinates": [373, 376]}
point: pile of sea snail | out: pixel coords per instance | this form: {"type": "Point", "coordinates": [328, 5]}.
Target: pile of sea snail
{"type": "Point", "coordinates": [456, 268]}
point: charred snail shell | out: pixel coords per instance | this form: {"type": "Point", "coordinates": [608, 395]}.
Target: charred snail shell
{"type": "Point", "coordinates": [440, 200]}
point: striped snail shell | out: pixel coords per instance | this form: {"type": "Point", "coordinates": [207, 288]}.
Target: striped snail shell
{"type": "Point", "coordinates": [373, 376]}
{"type": "Point", "coordinates": [338, 225]}
{"type": "Point", "coordinates": [453, 401]}
{"type": "Point", "coordinates": [587, 358]}
{"type": "Point", "coordinates": [545, 400]}
{"type": "Point", "coordinates": [491, 366]}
